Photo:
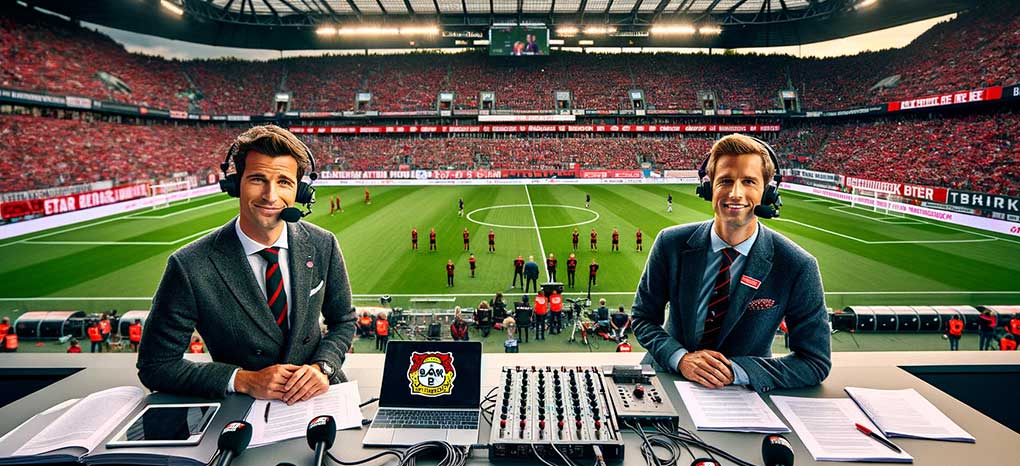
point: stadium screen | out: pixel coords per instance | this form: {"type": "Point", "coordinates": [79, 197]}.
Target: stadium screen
{"type": "Point", "coordinates": [515, 41]}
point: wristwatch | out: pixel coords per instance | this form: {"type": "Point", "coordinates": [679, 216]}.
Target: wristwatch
{"type": "Point", "coordinates": [327, 369]}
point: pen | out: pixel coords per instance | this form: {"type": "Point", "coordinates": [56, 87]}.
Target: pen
{"type": "Point", "coordinates": [869, 433]}
{"type": "Point", "coordinates": [267, 411]}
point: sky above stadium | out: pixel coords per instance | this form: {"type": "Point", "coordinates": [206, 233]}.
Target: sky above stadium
{"type": "Point", "coordinates": [894, 37]}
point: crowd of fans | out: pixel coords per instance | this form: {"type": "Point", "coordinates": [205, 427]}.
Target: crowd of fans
{"type": "Point", "coordinates": [975, 152]}
{"type": "Point", "coordinates": [42, 53]}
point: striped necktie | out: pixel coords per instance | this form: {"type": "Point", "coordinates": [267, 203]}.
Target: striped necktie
{"type": "Point", "coordinates": [718, 301]}
{"type": "Point", "coordinates": [276, 295]}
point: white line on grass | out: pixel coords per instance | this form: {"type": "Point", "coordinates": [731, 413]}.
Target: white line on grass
{"type": "Point", "coordinates": [888, 218]}
{"type": "Point", "coordinates": [841, 235]}
{"type": "Point", "coordinates": [171, 214]}
{"type": "Point", "coordinates": [122, 243]}
{"type": "Point", "coordinates": [474, 295]}
{"type": "Point", "coordinates": [538, 232]}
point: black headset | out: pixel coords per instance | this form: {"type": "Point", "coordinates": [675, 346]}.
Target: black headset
{"type": "Point", "coordinates": [231, 184]}
{"type": "Point", "coordinates": [770, 201]}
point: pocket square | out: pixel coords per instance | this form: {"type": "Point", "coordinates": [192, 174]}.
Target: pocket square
{"type": "Point", "coordinates": [317, 288]}
{"type": "Point", "coordinates": [761, 304]}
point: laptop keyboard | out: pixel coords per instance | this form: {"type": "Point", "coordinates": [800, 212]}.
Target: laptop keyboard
{"type": "Point", "coordinates": [425, 419]}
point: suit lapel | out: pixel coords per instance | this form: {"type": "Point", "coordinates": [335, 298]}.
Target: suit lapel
{"type": "Point", "coordinates": [691, 275]}
{"type": "Point", "coordinates": [301, 253]}
{"type": "Point", "coordinates": [759, 264]}
{"type": "Point", "coordinates": [230, 262]}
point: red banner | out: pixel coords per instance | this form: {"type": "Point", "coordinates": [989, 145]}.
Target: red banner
{"type": "Point", "coordinates": [411, 175]}
{"type": "Point", "coordinates": [630, 174]}
{"type": "Point", "coordinates": [70, 203]}
{"type": "Point", "coordinates": [912, 191]}
{"type": "Point", "coordinates": [962, 97]}
{"type": "Point", "coordinates": [547, 128]}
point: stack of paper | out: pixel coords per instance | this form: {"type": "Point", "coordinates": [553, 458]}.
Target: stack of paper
{"type": "Point", "coordinates": [826, 427]}
{"type": "Point", "coordinates": [282, 422]}
{"type": "Point", "coordinates": [730, 409]}
{"type": "Point", "coordinates": [905, 413]}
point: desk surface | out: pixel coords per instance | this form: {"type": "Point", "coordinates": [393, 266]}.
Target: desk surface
{"type": "Point", "coordinates": [996, 444]}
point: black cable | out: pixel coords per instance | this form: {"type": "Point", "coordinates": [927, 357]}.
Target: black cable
{"type": "Point", "coordinates": [535, 452]}
{"type": "Point", "coordinates": [381, 454]}
{"type": "Point", "coordinates": [649, 442]}
{"type": "Point", "coordinates": [710, 449]}
{"type": "Point", "coordinates": [566, 460]}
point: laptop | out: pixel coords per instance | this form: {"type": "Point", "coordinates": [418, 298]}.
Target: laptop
{"type": "Point", "coordinates": [430, 391]}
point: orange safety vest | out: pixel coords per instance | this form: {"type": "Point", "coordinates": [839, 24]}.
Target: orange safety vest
{"type": "Point", "coordinates": [94, 335]}
{"type": "Point", "coordinates": [364, 321]}
{"type": "Point", "coordinates": [956, 327]}
{"type": "Point", "coordinates": [1014, 326]}
{"type": "Point", "coordinates": [1005, 344]}
{"type": "Point", "coordinates": [540, 305]}
{"type": "Point", "coordinates": [197, 347]}
{"type": "Point", "coordinates": [10, 342]}
{"type": "Point", "coordinates": [556, 302]}
{"type": "Point", "coordinates": [104, 326]}
{"type": "Point", "coordinates": [135, 333]}
{"type": "Point", "coordinates": [4, 328]}
{"type": "Point", "coordinates": [382, 328]}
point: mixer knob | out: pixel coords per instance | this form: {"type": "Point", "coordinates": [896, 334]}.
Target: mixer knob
{"type": "Point", "coordinates": [560, 424]}
{"type": "Point", "coordinates": [639, 392]}
{"type": "Point", "coordinates": [541, 425]}
{"type": "Point", "coordinates": [502, 424]}
{"type": "Point", "coordinates": [598, 424]}
{"type": "Point", "coordinates": [578, 423]}
{"type": "Point", "coordinates": [502, 416]}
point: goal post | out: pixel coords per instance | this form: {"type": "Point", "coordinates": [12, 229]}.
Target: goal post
{"type": "Point", "coordinates": [164, 192]}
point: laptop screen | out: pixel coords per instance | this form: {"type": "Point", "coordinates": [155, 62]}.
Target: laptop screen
{"type": "Point", "coordinates": [432, 374]}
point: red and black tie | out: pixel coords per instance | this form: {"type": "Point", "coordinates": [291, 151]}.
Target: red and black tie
{"type": "Point", "coordinates": [275, 294]}
{"type": "Point", "coordinates": [718, 301]}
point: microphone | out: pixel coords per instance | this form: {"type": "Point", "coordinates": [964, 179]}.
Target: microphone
{"type": "Point", "coordinates": [233, 440]}
{"type": "Point", "coordinates": [764, 211]}
{"type": "Point", "coordinates": [776, 451]}
{"type": "Point", "coordinates": [320, 434]}
{"type": "Point", "coordinates": [292, 214]}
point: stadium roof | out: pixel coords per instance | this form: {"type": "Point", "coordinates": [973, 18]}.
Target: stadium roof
{"type": "Point", "coordinates": [292, 24]}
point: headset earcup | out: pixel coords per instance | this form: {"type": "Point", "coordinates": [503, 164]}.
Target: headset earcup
{"type": "Point", "coordinates": [305, 194]}
{"type": "Point", "coordinates": [770, 196]}
{"type": "Point", "coordinates": [705, 190]}
{"type": "Point", "coordinates": [230, 185]}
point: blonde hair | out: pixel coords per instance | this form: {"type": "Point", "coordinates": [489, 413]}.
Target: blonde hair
{"type": "Point", "coordinates": [739, 144]}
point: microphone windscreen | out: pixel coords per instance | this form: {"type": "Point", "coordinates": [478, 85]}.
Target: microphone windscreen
{"type": "Point", "coordinates": [764, 211]}
{"type": "Point", "coordinates": [291, 214]}
{"type": "Point", "coordinates": [234, 437]}
{"type": "Point", "coordinates": [776, 451]}
{"type": "Point", "coordinates": [321, 429]}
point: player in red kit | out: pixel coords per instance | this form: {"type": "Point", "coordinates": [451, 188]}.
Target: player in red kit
{"type": "Point", "coordinates": [637, 240]}
{"type": "Point", "coordinates": [594, 240]}
{"type": "Point", "coordinates": [467, 240]}
{"type": "Point", "coordinates": [332, 205]}
{"type": "Point", "coordinates": [492, 240]}
{"type": "Point", "coordinates": [616, 241]}
{"type": "Point", "coordinates": [432, 240]}
{"type": "Point", "coordinates": [571, 268]}
{"type": "Point", "coordinates": [449, 273]}
{"type": "Point", "coordinates": [471, 264]}
{"type": "Point", "coordinates": [574, 238]}
{"type": "Point", "coordinates": [593, 270]}
{"type": "Point", "coordinates": [414, 239]}
{"type": "Point", "coordinates": [368, 197]}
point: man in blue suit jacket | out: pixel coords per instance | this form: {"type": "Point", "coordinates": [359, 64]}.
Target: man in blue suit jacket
{"type": "Point", "coordinates": [753, 276]}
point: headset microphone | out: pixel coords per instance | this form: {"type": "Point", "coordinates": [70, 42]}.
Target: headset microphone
{"type": "Point", "coordinates": [292, 214]}
{"type": "Point", "coordinates": [765, 211]}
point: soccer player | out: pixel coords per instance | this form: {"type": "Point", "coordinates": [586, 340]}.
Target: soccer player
{"type": "Point", "coordinates": [492, 240]}
{"type": "Point", "coordinates": [449, 273]}
{"type": "Point", "coordinates": [432, 240]}
{"type": "Point", "coordinates": [587, 200]}
{"type": "Point", "coordinates": [460, 207]}
{"type": "Point", "coordinates": [339, 206]}
{"type": "Point", "coordinates": [616, 241]}
{"type": "Point", "coordinates": [518, 271]}
{"type": "Point", "coordinates": [332, 205]}
{"type": "Point", "coordinates": [471, 263]}
{"type": "Point", "coordinates": [414, 239]}
{"type": "Point", "coordinates": [368, 197]}
{"type": "Point", "coordinates": [571, 268]}
{"type": "Point", "coordinates": [594, 244]}
{"type": "Point", "coordinates": [550, 266]}
{"type": "Point", "coordinates": [637, 240]}
{"type": "Point", "coordinates": [574, 238]}
{"type": "Point", "coordinates": [467, 240]}
{"type": "Point", "coordinates": [669, 203]}
{"type": "Point", "coordinates": [593, 270]}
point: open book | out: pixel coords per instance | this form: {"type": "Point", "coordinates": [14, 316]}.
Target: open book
{"type": "Point", "coordinates": [905, 413]}
{"type": "Point", "coordinates": [77, 431]}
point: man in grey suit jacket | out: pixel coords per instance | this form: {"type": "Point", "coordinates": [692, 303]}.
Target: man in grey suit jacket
{"type": "Point", "coordinates": [218, 285]}
{"type": "Point", "coordinates": [729, 282]}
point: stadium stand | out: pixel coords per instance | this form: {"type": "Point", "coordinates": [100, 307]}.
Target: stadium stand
{"type": "Point", "coordinates": [978, 49]}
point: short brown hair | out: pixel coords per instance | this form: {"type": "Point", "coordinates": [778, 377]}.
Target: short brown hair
{"type": "Point", "coordinates": [739, 144]}
{"type": "Point", "coordinates": [273, 141]}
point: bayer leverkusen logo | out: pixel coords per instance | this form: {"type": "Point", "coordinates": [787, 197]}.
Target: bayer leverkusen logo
{"type": "Point", "coordinates": [431, 374]}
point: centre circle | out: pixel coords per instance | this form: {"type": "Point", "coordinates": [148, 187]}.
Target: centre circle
{"type": "Point", "coordinates": [529, 206]}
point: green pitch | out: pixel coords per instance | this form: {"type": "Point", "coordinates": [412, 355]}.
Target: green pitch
{"type": "Point", "coordinates": [865, 257]}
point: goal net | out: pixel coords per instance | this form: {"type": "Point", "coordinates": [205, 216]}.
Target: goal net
{"type": "Point", "coordinates": [875, 200]}
{"type": "Point", "coordinates": [167, 192]}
